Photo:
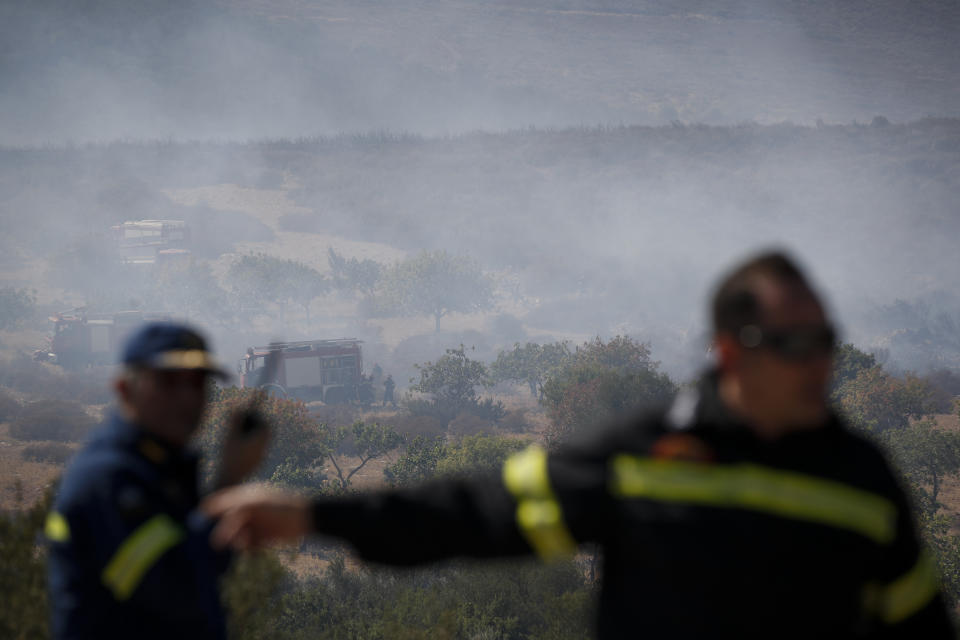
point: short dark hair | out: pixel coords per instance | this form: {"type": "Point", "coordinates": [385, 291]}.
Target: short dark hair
{"type": "Point", "coordinates": [735, 303]}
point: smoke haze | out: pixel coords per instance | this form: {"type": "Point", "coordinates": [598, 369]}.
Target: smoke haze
{"type": "Point", "coordinates": [603, 160]}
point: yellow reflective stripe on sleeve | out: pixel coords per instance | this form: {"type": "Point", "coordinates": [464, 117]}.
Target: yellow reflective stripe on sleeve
{"type": "Point", "coordinates": [525, 474]}
{"type": "Point", "coordinates": [138, 553]}
{"type": "Point", "coordinates": [747, 486]}
{"type": "Point", "coordinates": [911, 592]}
{"type": "Point", "coordinates": [539, 514]}
{"type": "Point", "coordinates": [56, 528]}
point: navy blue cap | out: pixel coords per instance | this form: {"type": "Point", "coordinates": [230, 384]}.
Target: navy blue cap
{"type": "Point", "coordinates": [163, 345]}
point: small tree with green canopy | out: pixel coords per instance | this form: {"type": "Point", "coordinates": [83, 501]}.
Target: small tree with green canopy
{"type": "Point", "coordinates": [190, 288]}
{"type": "Point", "coordinates": [926, 455]}
{"type": "Point", "coordinates": [477, 454]}
{"type": "Point", "coordinates": [452, 383]}
{"type": "Point", "coordinates": [354, 274]}
{"type": "Point", "coordinates": [432, 283]}
{"type": "Point", "coordinates": [875, 400]}
{"type": "Point", "coordinates": [367, 441]}
{"type": "Point", "coordinates": [848, 362]}
{"type": "Point", "coordinates": [417, 464]}
{"type": "Point", "coordinates": [531, 363]}
{"type": "Point", "coordinates": [259, 278]}
{"type": "Point", "coordinates": [603, 380]}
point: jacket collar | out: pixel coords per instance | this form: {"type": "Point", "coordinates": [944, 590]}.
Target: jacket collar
{"type": "Point", "coordinates": [156, 450]}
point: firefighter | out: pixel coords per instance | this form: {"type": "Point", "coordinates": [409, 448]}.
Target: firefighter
{"type": "Point", "coordinates": [388, 386]}
{"type": "Point", "coordinates": [129, 551]}
{"type": "Point", "coordinates": [745, 509]}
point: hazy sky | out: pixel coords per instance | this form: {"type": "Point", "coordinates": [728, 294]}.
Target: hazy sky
{"type": "Point", "coordinates": [238, 70]}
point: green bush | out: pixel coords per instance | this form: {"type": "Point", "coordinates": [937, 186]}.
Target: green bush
{"type": "Point", "coordinates": [23, 593]}
{"type": "Point", "coordinates": [515, 421]}
{"type": "Point", "coordinates": [23, 373]}
{"type": "Point", "coordinates": [515, 599]}
{"type": "Point", "coordinates": [296, 439]}
{"type": "Point", "coordinates": [467, 424]}
{"type": "Point", "coordinates": [57, 420]}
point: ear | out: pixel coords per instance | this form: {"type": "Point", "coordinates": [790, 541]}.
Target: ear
{"type": "Point", "coordinates": [728, 351]}
{"type": "Point", "coordinates": [123, 387]}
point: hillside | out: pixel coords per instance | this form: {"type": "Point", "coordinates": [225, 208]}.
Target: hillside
{"type": "Point", "coordinates": [248, 69]}
{"type": "Point", "coordinates": [588, 230]}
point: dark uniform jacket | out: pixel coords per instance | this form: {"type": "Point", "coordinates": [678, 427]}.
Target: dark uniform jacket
{"type": "Point", "coordinates": [129, 555]}
{"type": "Point", "coordinates": [705, 530]}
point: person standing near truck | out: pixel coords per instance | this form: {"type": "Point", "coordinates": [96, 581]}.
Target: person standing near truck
{"type": "Point", "coordinates": [388, 386]}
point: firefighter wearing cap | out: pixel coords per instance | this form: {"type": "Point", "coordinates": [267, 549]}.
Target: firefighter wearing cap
{"type": "Point", "coordinates": [744, 510]}
{"type": "Point", "coordinates": [129, 553]}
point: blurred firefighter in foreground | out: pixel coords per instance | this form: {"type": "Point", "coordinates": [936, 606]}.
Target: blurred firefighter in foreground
{"type": "Point", "coordinates": [746, 509]}
{"type": "Point", "coordinates": [129, 550]}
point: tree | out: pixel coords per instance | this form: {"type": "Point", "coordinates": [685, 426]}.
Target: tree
{"type": "Point", "coordinates": [478, 454]}
{"type": "Point", "coordinates": [601, 381]}
{"type": "Point", "coordinates": [191, 289]}
{"type": "Point", "coordinates": [434, 283]}
{"type": "Point", "coordinates": [367, 441]}
{"type": "Point", "coordinates": [259, 278]}
{"type": "Point", "coordinates": [16, 307]}
{"type": "Point", "coordinates": [877, 401]}
{"type": "Point", "coordinates": [417, 464]}
{"type": "Point", "coordinates": [452, 383]}
{"type": "Point", "coordinates": [353, 274]}
{"type": "Point", "coordinates": [531, 363]}
{"type": "Point", "coordinates": [926, 455]}
{"type": "Point", "coordinates": [848, 362]}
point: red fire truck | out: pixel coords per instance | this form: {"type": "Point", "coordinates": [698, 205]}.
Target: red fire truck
{"type": "Point", "coordinates": [327, 370]}
{"type": "Point", "coordinates": [82, 339]}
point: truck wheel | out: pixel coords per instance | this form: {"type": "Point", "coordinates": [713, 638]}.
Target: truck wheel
{"type": "Point", "coordinates": [336, 395]}
{"type": "Point", "coordinates": [274, 390]}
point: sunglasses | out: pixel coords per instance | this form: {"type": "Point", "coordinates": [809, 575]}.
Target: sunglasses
{"type": "Point", "coordinates": [791, 344]}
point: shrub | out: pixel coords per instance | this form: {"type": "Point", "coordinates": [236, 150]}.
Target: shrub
{"type": "Point", "coordinates": [52, 452]}
{"type": "Point", "coordinates": [467, 424]}
{"type": "Point", "coordinates": [333, 413]}
{"type": "Point", "coordinates": [58, 420]}
{"type": "Point", "coordinates": [515, 421]}
{"type": "Point", "coordinates": [22, 373]}
{"type": "Point", "coordinates": [412, 426]}
{"type": "Point", "coordinates": [478, 454]}
{"type": "Point", "coordinates": [23, 570]}
{"type": "Point", "coordinates": [296, 438]}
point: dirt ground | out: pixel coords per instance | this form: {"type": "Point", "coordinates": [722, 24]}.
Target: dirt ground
{"type": "Point", "coordinates": [33, 478]}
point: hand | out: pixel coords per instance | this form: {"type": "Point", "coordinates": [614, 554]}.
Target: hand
{"type": "Point", "coordinates": [253, 515]}
{"type": "Point", "coordinates": [244, 447]}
